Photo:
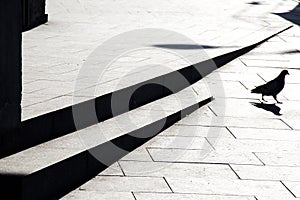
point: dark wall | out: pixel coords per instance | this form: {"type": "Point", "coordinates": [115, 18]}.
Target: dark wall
{"type": "Point", "coordinates": [33, 13]}
{"type": "Point", "coordinates": [10, 64]}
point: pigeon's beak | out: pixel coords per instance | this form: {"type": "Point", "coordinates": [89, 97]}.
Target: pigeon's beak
{"type": "Point", "coordinates": [288, 74]}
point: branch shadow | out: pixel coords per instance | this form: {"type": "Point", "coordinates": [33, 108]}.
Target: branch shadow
{"type": "Point", "coordinates": [268, 107]}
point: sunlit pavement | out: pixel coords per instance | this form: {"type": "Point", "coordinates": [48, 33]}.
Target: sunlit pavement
{"type": "Point", "coordinates": [228, 149]}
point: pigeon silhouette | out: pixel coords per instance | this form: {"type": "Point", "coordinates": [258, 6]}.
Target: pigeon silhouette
{"type": "Point", "coordinates": [273, 87]}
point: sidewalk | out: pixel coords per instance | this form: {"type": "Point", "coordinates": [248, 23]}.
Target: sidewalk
{"type": "Point", "coordinates": [229, 149]}
{"type": "Point", "coordinates": [234, 152]}
{"type": "Point", "coordinates": [53, 54]}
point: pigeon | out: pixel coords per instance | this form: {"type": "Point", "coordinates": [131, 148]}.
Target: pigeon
{"type": "Point", "coordinates": [273, 87]}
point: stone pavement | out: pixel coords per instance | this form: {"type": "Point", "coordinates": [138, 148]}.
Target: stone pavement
{"type": "Point", "coordinates": [53, 54]}
{"type": "Point", "coordinates": [229, 149]}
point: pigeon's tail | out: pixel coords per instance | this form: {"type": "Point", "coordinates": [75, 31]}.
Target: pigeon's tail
{"type": "Point", "coordinates": [256, 90]}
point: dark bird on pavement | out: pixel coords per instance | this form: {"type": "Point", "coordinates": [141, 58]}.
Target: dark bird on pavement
{"type": "Point", "coordinates": [273, 87]}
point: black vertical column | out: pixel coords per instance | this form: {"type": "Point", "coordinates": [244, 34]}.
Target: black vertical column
{"type": "Point", "coordinates": [10, 64]}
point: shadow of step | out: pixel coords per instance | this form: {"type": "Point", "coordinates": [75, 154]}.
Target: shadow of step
{"type": "Point", "coordinates": [60, 171]}
{"type": "Point", "coordinates": [61, 122]}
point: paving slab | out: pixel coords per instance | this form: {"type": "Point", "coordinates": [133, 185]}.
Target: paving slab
{"type": "Point", "coordinates": [203, 156]}
{"type": "Point", "coordinates": [229, 187]}
{"type": "Point", "coordinates": [162, 169]}
{"type": "Point", "coordinates": [96, 195]}
{"type": "Point", "coordinates": [279, 159]}
{"type": "Point", "coordinates": [259, 123]}
{"type": "Point", "coordinates": [265, 134]}
{"type": "Point", "coordinates": [249, 145]}
{"type": "Point", "coordinates": [274, 173]}
{"type": "Point", "coordinates": [177, 142]}
{"type": "Point", "coordinates": [148, 196]}
{"type": "Point", "coordinates": [116, 184]}
{"type": "Point", "coordinates": [197, 131]}
{"type": "Point", "coordinates": [114, 170]}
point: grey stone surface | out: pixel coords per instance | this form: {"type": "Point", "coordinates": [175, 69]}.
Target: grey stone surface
{"type": "Point", "coordinates": [203, 156]}
{"type": "Point", "coordinates": [148, 196]}
{"type": "Point", "coordinates": [182, 170]}
{"type": "Point", "coordinates": [177, 142]}
{"type": "Point", "coordinates": [265, 134]}
{"type": "Point", "coordinates": [249, 145]}
{"type": "Point", "coordinates": [96, 195]}
{"type": "Point", "coordinates": [245, 122]}
{"type": "Point", "coordinates": [53, 54]}
{"type": "Point", "coordinates": [229, 187]}
{"type": "Point", "coordinates": [279, 159]}
{"type": "Point", "coordinates": [226, 150]}
{"type": "Point", "coordinates": [197, 131]}
{"type": "Point", "coordinates": [113, 170]}
{"type": "Point", "coordinates": [116, 184]}
{"type": "Point", "coordinates": [275, 173]}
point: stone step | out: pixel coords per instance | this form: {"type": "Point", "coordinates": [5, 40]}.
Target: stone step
{"type": "Point", "coordinates": [52, 169]}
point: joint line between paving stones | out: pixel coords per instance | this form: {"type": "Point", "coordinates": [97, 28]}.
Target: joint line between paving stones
{"type": "Point", "coordinates": [121, 168]}
{"type": "Point", "coordinates": [238, 126]}
{"type": "Point", "coordinates": [261, 77]}
{"type": "Point", "coordinates": [168, 184]}
{"type": "Point", "coordinates": [230, 132]}
{"type": "Point", "coordinates": [258, 158]}
{"type": "Point", "coordinates": [288, 189]}
{"type": "Point", "coordinates": [234, 171]}
{"type": "Point", "coordinates": [286, 124]}
{"type": "Point", "coordinates": [281, 38]}
{"type": "Point", "coordinates": [52, 98]}
{"type": "Point", "coordinates": [243, 62]}
{"type": "Point", "coordinates": [133, 196]}
{"type": "Point", "coordinates": [195, 193]}
{"type": "Point", "coordinates": [109, 175]}
{"type": "Point", "coordinates": [149, 154]}
{"type": "Point", "coordinates": [210, 144]}
{"type": "Point", "coordinates": [195, 91]}
{"type": "Point", "coordinates": [212, 111]}
{"type": "Point", "coordinates": [244, 85]}
{"type": "Point", "coordinates": [174, 148]}
{"type": "Point", "coordinates": [270, 67]}
{"type": "Point", "coordinates": [205, 163]}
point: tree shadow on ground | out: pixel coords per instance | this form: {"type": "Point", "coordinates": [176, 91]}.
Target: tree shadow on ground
{"type": "Point", "coordinates": [293, 16]}
{"type": "Point", "coordinates": [268, 107]}
{"type": "Point", "coordinates": [189, 46]}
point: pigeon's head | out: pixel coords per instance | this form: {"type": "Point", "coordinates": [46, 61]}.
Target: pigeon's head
{"type": "Point", "coordinates": [285, 72]}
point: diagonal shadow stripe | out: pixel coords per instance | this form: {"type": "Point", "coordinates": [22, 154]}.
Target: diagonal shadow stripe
{"type": "Point", "coordinates": [57, 180]}
{"type": "Point", "coordinates": [58, 123]}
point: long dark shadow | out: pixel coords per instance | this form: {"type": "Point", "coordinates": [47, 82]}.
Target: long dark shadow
{"type": "Point", "coordinates": [59, 179]}
{"type": "Point", "coordinates": [61, 122]}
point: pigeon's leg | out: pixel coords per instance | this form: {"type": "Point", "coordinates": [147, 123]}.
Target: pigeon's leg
{"type": "Point", "coordinates": [262, 97]}
{"type": "Point", "coordinates": [275, 97]}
